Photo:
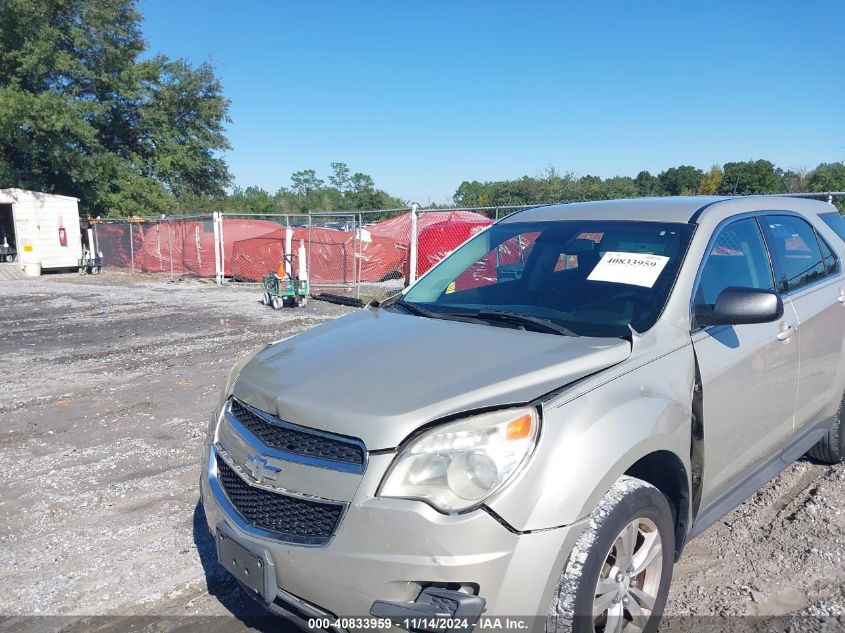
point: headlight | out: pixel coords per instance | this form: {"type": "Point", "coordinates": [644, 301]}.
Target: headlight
{"type": "Point", "coordinates": [458, 465]}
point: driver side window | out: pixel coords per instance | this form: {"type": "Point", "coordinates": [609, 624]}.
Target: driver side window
{"type": "Point", "coordinates": [738, 257]}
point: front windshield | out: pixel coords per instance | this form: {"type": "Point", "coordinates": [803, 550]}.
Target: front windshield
{"type": "Point", "coordinates": [594, 278]}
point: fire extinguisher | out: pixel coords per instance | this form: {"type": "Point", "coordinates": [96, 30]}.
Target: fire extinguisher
{"type": "Point", "coordinates": [62, 236]}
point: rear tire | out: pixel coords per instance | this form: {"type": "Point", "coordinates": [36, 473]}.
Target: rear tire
{"type": "Point", "coordinates": [831, 448]}
{"type": "Point", "coordinates": [617, 576]}
{"type": "Point", "coordinates": [276, 303]}
{"type": "Point", "coordinates": [265, 300]}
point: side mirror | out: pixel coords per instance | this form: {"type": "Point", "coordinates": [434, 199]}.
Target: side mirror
{"type": "Point", "coordinates": [738, 306]}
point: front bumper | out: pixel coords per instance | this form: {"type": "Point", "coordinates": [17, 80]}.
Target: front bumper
{"type": "Point", "coordinates": [389, 549]}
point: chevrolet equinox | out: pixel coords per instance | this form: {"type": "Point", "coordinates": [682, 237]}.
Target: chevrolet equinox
{"type": "Point", "coordinates": [539, 424]}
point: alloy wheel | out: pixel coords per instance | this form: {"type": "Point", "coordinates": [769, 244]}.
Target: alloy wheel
{"type": "Point", "coordinates": [629, 580]}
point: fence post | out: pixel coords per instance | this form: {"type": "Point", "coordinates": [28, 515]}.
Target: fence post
{"type": "Point", "coordinates": [412, 247]}
{"type": "Point", "coordinates": [131, 246]}
{"type": "Point", "coordinates": [217, 248]}
{"type": "Point", "coordinates": [308, 252]}
{"type": "Point", "coordinates": [222, 278]}
{"type": "Point", "coordinates": [170, 248]}
{"type": "Point", "coordinates": [359, 265]}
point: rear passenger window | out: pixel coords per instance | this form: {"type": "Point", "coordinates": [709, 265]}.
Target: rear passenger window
{"type": "Point", "coordinates": [796, 251]}
{"type": "Point", "coordinates": [834, 221]}
{"type": "Point", "coordinates": [737, 258]}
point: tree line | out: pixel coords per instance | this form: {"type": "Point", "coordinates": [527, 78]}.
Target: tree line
{"type": "Point", "coordinates": [344, 191]}
{"type": "Point", "coordinates": [87, 111]}
{"type": "Point", "coordinates": [734, 178]}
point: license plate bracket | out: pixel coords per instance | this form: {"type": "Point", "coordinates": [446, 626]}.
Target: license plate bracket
{"type": "Point", "coordinates": [245, 565]}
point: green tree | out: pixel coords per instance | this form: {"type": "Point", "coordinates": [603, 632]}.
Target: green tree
{"type": "Point", "coordinates": [681, 181]}
{"type": "Point", "coordinates": [794, 180]}
{"type": "Point", "coordinates": [81, 114]}
{"type": "Point", "coordinates": [620, 187]}
{"type": "Point", "coordinates": [472, 194]}
{"type": "Point", "coordinates": [251, 200]}
{"type": "Point", "coordinates": [648, 184]}
{"type": "Point", "coordinates": [181, 128]}
{"type": "Point", "coordinates": [305, 182]}
{"type": "Point", "coordinates": [827, 177]}
{"type": "Point", "coordinates": [711, 181]}
{"type": "Point", "coordinates": [750, 177]}
{"type": "Point", "coordinates": [362, 183]}
{"type": "Point", "coordinates": [340, 176]}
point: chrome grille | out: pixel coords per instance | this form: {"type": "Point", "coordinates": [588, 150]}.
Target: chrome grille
{"type": "Point", "coordinates": [291, 518]}
{"type": "Point", "coordinates": [289, 438]}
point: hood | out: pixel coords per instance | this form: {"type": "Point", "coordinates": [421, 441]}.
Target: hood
{"type": "Point", "coordinates": [379, 375]}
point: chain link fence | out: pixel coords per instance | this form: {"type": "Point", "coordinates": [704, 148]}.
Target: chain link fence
{"type": "Point", "coordinates": [363, 254]}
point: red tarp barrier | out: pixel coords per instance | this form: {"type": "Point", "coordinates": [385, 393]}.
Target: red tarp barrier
{"type": "Point", "coordinates": [254, 247]}
{"type": "Point", "coordinates": [399, 228]}
{"type": "Point", "coordinates": [334, 255]}
{"type": "Point", "coordinates": [190, 245]}
{"type": "Point", "coordinates": [438, 240]}
{"type": "Point", "coordinates": [113, 240]}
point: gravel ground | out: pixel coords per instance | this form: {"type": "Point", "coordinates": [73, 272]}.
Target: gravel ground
{"type": "Point", "coordinates": [104, 402]}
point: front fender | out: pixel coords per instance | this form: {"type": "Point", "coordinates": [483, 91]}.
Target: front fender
{"type": "Point", "coordinates": [590, 438]}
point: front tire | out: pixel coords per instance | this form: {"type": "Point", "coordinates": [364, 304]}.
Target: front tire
{"type": "Point", "coordinates": [618, 574]}
{"type": "Point", "coordinates": [831, 448]}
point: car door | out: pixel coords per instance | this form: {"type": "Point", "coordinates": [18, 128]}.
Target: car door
{"type": "Point", "coordinates": [810, 274]}
{"type": "Point", "coordinates": [748, 372]}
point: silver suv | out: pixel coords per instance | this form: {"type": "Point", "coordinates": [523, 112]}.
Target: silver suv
{"type": "Point", "coordinates": [539, 424]}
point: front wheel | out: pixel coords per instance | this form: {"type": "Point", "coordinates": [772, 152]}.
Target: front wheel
{"type": "Point", "coordinates": [618, 574]}
{"type": "Point", "coordinates": [277, 303]}
{"type": "Point", "coordinates": [831, 448]}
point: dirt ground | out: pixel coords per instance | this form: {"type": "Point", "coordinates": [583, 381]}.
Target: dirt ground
{"type": "Point", "coordinates": [106, 390]}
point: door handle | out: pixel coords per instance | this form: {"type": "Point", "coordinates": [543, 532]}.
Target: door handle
{"type": "Point", "coordinates": [841, 297]}
{"type": "Point", "coordinates": [785, 332]}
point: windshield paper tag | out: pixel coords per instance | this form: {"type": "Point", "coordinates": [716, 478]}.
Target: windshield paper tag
{"type": "Point", "coordinates": [637, 269]}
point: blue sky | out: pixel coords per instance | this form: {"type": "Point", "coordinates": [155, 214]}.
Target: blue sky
{"type": "Point", "coordinates": [422, 95]}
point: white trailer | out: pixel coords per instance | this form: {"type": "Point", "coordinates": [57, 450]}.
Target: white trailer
{"type": "Point", "coordinates": [39, 230]}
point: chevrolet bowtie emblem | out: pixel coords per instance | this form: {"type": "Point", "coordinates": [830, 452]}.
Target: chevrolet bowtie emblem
{"type": "Point", "coordinates": [259, 468]}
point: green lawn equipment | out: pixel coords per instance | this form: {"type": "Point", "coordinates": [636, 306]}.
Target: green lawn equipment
{"type": "Point", "coordinates": [284, 291]}
{"type": "Point", "coordinates": [283, 288]}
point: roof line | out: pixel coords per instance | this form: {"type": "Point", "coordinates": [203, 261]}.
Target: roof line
{"type": "Point", "coordinates": [829, 195]}
{"type": "Point", "coordinates": [693, 219]}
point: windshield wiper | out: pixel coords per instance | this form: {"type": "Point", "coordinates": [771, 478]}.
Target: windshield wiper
{"type": "Point", "coordinates": [414, 309]}
{"type": "Point", "coordinates": [418, 310]}
{"type": "Point", "coordinates": [526, 321]}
